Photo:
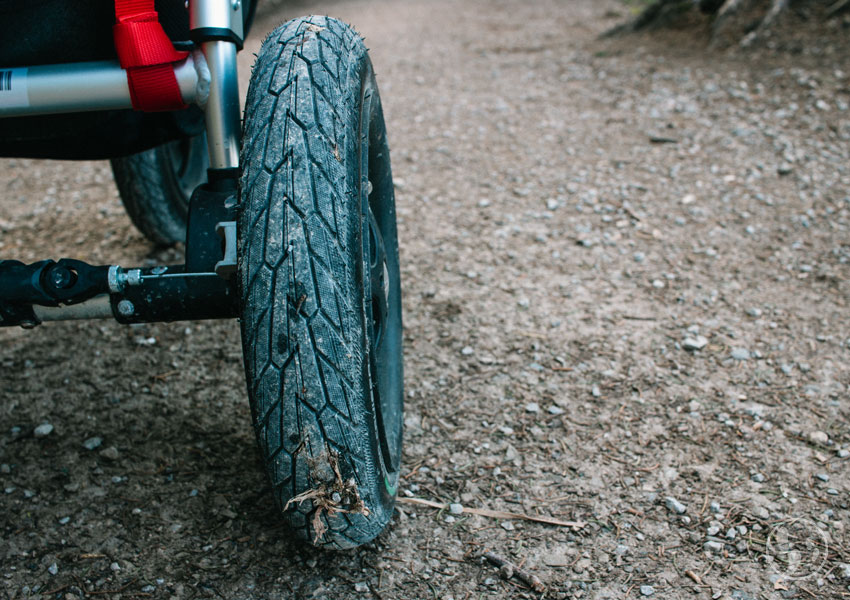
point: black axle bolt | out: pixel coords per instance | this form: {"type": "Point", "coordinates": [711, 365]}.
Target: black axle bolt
{"type": "Point", "coordinates": [62, 278]}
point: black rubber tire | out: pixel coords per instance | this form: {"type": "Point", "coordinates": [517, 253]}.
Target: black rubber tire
{"type": "Point", "coordinates": [320, 284]}
{"type": "Point", "coordinates": [155, 187]}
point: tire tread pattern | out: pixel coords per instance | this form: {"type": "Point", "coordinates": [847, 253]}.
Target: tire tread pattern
{"type": "Point", "coordinates": [299, 218]}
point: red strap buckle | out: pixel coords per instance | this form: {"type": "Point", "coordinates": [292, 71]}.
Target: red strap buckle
{"type": "Point", "coordinates": [147, 54]}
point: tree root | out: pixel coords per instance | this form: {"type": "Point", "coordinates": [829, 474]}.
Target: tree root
{"type": "Point", "coordinates": [727, 15]}
{"type": "Point", "coordinates": [776, 8]}
{"type": "Point", "coordinates": [837, 8]}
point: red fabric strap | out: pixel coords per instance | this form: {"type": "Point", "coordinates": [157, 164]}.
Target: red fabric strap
{"type": "Point", "coordinates": [147, 54]}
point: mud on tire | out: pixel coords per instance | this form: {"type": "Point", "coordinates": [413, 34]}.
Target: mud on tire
{"type": "Point", "coordinates": [319, 283]}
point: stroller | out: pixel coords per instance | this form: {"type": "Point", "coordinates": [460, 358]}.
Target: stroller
{"type": "Point", "coordinates": [287, 216]}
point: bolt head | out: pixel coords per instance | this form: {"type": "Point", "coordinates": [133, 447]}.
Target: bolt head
{"type": "Point", "coordinates": [61, 278]}
{"type": "Point", "coordinates": [126, 308]}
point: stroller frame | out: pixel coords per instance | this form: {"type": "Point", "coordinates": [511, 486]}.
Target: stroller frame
{"type": "Point", "coordinates": [204, 287]}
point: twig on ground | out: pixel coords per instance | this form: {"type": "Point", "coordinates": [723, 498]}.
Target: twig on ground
{"type": "Point", "coordinates": [496, 514]}
{"type": "Point", "coordinates": [507, 570]}
{"type": "Point", "coordinates": [776, 8]}
{"type": "Point", "coordinates": [697, 579]}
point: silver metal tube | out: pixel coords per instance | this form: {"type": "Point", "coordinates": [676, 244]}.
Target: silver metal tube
{"type": "Point", "coordinates": [188, 75]}
{"type": "Point", "coordinates": [222, 112]}
{"type": "Point", "coordinates": [73, 87]}
{"type": "Point", "coordinates": [80, 87]}
{"type": "Point", "coordinates": [216, 14]}
{"type": "Point", "coordinates": [98, 307]}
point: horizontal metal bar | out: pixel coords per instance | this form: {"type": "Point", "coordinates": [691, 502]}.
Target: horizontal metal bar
{"type": "Point", "coordinates": [98, 307]}
{"type": "Point", "coordinates": [170, 297]}
{"type": "Point", "coordinates": [79, 87]}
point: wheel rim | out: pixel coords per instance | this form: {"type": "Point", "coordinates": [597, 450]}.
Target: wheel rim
{"type": "Point", "coordinates": [382, 290]}
{"type": "Point", "coordinates": [187, 162]}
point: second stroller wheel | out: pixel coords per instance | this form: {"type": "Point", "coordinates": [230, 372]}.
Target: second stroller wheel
{"type": "Point", "coordinates": [156, 185]}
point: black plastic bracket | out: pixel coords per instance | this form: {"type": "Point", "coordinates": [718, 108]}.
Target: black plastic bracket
{"type": "Point", "coordinates": [203, 288]}
{"type": "Point", "coordinates": [46, 283]}
{"type": "Point", "coordinates": [209, 34]}
{"type": "Point", "coordinates": [195, 290]}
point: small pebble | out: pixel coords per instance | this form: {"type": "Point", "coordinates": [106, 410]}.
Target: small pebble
{"type": "Point", "coordinates": [740, 354]}
{"type": "Point", "coordinates": [595, 391]}
{"type": "Point", "coordinates": [5, 469]}
{"type": "Point", "coordinates": [92, 443]}
{"type": "Point", "coordinates": [674, 505]}
{"type": "Point", "coordinates": [832, 491]}
{"type": "Point", "coordinates": [754, 312]}
{"type": "Point", "coordinates": [758, 478]}
{"type": "Point", "coordinates": [712, 546]}
{"type": "Point", "coordinates": [507, 525]}
{"type": "Point", "coordinates": [361, 587]}
{"type": "Point", "coordinates": [115, 567]}
{"type": "Point", "coordinates": [456, 509]}
{"type": "Point", "coordinates": [532, 407]}
{"type": "Point", "coordinates": [714, 507]}
{"type": "Point", "coordinates": [64, 520]}
{"type": "Point", "coordinates": [818, 437]}
{"type": "Point", "coordinates": [823, 477]}
{"type": "Point", "coordinates": [148, 589]}
{"type": "Point", "coordinates": [694, 343]}
{"type": "Point", "coordinates": [555, 410]}
{"type": "Point", "coordinates": [53, 569]}
{"type": "Point", "coordinates": [43, 430]}
{"type": "Point", "coordinates": [467, 350]}
{"type": "Point", "coordinates": [647, 590]}
{"type": "Point", "coordinates": [843, 453]}
{"type": "Point", "coordinates": [110, 453]}
{"type": "Point", "coordinates": [713, 530]}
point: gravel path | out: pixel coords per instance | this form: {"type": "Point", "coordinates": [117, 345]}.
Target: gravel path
{"type": "Point", "coordinates": [625, 267]}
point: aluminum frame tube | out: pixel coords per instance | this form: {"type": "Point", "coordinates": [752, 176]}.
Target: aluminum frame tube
{"type": "Point", "coordinates": [98, 307]}
{"type": "Point", "coordinates": [82, 87]}
{"type": "Point", "coordinates": [222, 110]}
{"type": "Point", "coordinates": [216, 14]}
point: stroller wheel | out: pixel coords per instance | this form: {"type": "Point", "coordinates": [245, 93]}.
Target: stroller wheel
{"type": "Point", "coordinates": [155, 186]}
{"type": "Point", "coordinates": [319, 283]}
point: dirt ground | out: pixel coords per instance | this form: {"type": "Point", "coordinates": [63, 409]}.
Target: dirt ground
{"type": "Point", "coordinates": [571, 211]}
